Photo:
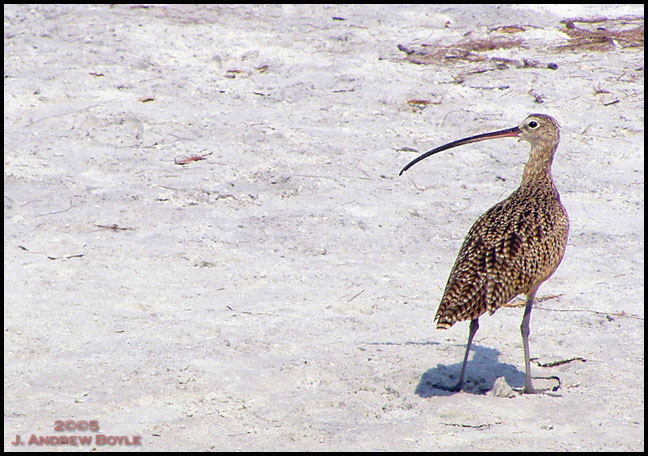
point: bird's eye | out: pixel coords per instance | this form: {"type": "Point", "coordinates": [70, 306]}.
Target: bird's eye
{"type": "Point", "coordinates": [533, 124]}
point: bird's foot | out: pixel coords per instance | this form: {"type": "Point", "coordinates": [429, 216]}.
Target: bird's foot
{"type": "Point", "coordinates": [545, 391]}
{"type": "Point", "coordinates": [529, 389]}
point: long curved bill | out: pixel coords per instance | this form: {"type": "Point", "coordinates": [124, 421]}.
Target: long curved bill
{"type": "Point", "coordinates": [509, 132]}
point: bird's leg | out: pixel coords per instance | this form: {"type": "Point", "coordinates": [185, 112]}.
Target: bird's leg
{"type": "Point", "coordinates": [524, 329]}
{"type": "Point", "coordinates": [474, 326]}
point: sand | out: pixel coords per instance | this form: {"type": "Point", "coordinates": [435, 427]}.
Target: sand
{"type": "Point", "coordinates": [277, 291]}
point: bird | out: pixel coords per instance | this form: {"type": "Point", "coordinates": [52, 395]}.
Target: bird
{"type": "Point", "coordinates": [513, 247]}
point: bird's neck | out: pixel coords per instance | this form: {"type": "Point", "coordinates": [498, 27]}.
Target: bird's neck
{"type": "Point", "coordinates": [538, 168]}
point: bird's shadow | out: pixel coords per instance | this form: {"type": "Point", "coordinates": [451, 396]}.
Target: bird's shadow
{"type": "Point", "coordinates": [482, 370]}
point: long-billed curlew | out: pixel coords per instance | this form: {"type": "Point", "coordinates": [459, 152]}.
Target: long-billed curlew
{"type": "Point", "coordinates": [515, 246]}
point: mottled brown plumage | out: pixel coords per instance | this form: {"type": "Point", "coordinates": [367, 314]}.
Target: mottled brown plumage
{"type": "Point", "coordinates": [515, 246]}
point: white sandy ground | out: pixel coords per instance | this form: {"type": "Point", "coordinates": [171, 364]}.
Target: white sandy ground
{"type": "Point", "coordinates": [280, 294]}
